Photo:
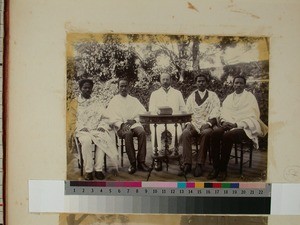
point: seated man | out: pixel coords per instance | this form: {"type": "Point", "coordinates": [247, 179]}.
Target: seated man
{"type": "Point", "coordinates": [239, 121]}
{"type": "Point", "coordinates": [165, 96]}
{"type": "Point", "coordinates": [124, 113]}
{"type": "Point", "coordinates": [205, 106]}
{"type": "Point", "coordinates": [90, 128]}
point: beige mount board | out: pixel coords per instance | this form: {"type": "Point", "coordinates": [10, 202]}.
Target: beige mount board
{"type": "Point", "coordinates": [37, 78]}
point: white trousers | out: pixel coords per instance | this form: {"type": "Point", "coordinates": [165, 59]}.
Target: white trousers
{"type": "Point", "coordinates": [160, 129]}
{"type": "Point", "coordinates": [87, 148]}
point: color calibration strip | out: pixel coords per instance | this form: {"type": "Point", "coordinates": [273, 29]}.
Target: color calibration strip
{"type": "Point", "coordinates": [173, 197]}
{"type": "Point", "coordinates": [48, 196]}
{"type": "Point", "coordinates": [141, 188]}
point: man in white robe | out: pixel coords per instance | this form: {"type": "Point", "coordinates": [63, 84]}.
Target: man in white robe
{"type": "Point", "coordinates": [205, 106]}
{"type": "Point", "coordinates": [91, 129]}
{"type": "Point", "coordinates": [124, 111]}
{"type": "Point", "coordinates": [240, 120]}
{"type": "Point", "coordinates": [165, 96]}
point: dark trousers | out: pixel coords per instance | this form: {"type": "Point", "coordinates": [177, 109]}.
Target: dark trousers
{"type": "Point", "coordinates": [140, 133]}
{"type": "Point", "coordinates": [221, 152]}
{"type": "Point", "coordinates": [186, 141]}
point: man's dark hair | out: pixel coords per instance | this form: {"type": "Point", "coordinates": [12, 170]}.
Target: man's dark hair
{"type": "Point", "coordinates": [202, 75]}
{"type": "Point", "coordinates": [239, 76]}
{"type": "Point", "coordinates": [124, 79]}
{"type": "Point", "coordinates": [165, 73]}
{"type": "Point", "coordinates": [83, 81]}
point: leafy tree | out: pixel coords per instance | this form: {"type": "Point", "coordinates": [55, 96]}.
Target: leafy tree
{"type": "Point", "coordinates": [179, 55]}
{"type": "Point", "coordinates": [104, 61]}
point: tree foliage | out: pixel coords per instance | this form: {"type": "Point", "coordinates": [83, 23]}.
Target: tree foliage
{"type": "Point", "coordinates": [141, 62]}
{"type": "Point", "coordinates": [104, 61]}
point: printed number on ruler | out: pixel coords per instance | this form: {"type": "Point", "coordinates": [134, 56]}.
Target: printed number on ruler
{"type": "Point", "coordinates": [140, 191]}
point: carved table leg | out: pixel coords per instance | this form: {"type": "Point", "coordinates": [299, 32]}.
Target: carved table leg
{"type": "Point", "coordinates": [154, 158]}
{"type": "Point", "coordinates": [166, 147]}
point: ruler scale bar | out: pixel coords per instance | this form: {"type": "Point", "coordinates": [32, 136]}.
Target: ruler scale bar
{"type": "Point", "coordinates": [208, 192]}
{"type": "Point", "coordinates": [187, 189]}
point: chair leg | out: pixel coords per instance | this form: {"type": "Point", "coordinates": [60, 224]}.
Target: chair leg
{"type": "Point", "coordinates": [243, 144]}
{"type": "Point", "coordinates": [117, 141]}
{"type": "Point", "coordinates": [81, 162]}
{"type": "Point", "coordinates": [122, 151]}
{"type": "Point", "coordinates": [197, 149]}
{"type": "Point", "coordinates": [105, 166]}
{"type": "Point", "coordinates": [235, 153]}
{"type": "Point", "coordinates": [209, 153]}
{"type": "Point", "coordinates": [250, 157]}
{"type": "Point", "coordinates": [241, 159]}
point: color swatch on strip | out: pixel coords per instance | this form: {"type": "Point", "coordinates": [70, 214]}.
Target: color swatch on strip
{"type": "Point", "coordinates": [141, 184]}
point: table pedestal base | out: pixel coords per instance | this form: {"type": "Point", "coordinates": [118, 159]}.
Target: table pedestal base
{"type": "Point", "coordinates": [165, 159]}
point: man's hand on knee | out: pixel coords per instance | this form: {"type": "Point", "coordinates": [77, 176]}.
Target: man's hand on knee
{"type": "Point", "coordinates": [189, 127]}
{"type": "Point", "coordinates": [204, 126]}
{"type": "Point", "coordinates": [228, 125]}
{"type": "Point", "coordinates": [130, 122]}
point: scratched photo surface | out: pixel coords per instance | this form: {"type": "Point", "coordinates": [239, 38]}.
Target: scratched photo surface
{"type": "Point", "coordinates": [141, 58]}
{"type": "Point", "coordinates": [117, 219]}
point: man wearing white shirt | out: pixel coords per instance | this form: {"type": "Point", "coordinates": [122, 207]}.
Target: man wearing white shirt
{"type": "Point", "coordinates": [239, 121]}
{"type": "Point", "coordinates": [205, 106]}
{"type": "Point", "coordinates": [124, 113]}
{"type": "Point", "coordinates": [165, 96]}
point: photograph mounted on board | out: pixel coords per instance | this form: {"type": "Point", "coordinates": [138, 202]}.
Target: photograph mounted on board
{"type": "Point", "coordinates": [167, 107]}
{"type": "Point", "coordinates": [125, 219]}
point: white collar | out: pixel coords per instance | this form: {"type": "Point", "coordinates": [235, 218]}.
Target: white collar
{"type": "Point", "coordinates": [82, 99]}
{"type": "Point", "coordinates": [122, 97]}
{"type": "Point", "coordinates": [238, 95]}
{"type": "Point", "coordinates": [202, 94]}
{"type": "Point", "coordinates": [168, 89]}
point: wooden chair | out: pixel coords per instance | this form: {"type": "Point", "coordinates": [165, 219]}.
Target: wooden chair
{"type": "Point", "coordinates": [120, 144]}
{"type": "Point", "coordinates": [80, 157]}
{"type": "Point", "coordinates": [242, 147]}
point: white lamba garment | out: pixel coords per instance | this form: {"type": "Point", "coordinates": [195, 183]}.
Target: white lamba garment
{"type": "Point", "coordinates": [209, 109]}
{"type": "Point", "coordinates": [243, 110]}
{"type": "Point", "coordinates": [90, 115]}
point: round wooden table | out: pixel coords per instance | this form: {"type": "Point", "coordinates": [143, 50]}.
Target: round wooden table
{"type": "Point", "coordinates": [176, 118]}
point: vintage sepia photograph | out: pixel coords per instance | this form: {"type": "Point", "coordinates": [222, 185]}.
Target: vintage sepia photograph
{"type": "Point", "coordinates": [124, 219]}
{"type": "Point", "coordinates": [168, 101]}
{"type": "Point", "coordinates": [163, 107]}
